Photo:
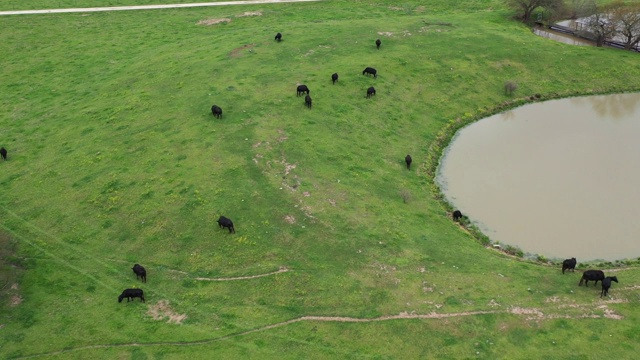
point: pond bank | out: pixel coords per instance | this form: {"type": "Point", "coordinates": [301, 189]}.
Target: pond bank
{"type": "Point", "coordinates": [445, 136]}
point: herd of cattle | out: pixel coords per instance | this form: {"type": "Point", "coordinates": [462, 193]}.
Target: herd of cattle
{"type": "Point", "coordinates": [131, 294]}
{"type": "Point", "coordinates": [141, 272]}
{"type": "Point", "coordinates": [302, 89]}
{"type": "Point", "coordinates": [590, 275]}
{"type": "Point", "coordinates": [224, 222]}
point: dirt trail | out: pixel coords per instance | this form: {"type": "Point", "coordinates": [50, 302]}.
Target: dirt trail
{"type": "Point", "coordinates": [147, 7]}
{"type": "Point", "coordinates": [282, 269]}
{"type": "Point", "coordinates": [531, 314]}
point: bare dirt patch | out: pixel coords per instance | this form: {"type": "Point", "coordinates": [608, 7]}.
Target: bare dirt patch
{"type": "Point", "coordinates": [385, 33]}
{"type": "Point", "coordinates": [283, 135]}
{"type": "Point", "coordinates": [250, 13]}
{"type": "Point", "coordinates": [16, 300]}
{"type": "Point", "coordinates": [287, 167]}
{"type": "Point", "coordinates": [290, 219]}
{"type": "Point", "coordinates": [161, 310]}
{"type": "Point", "coordinates": [610, 314]}
{"type": "Point", "coordinates": [208, 22]}
{"type": "Point", "coordinates": [237, 52]}
{"type": "Point", "coordinates": [531, 313]}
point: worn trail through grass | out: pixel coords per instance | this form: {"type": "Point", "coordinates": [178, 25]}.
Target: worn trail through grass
{"type": "Point", "coordinates": [528, 313]}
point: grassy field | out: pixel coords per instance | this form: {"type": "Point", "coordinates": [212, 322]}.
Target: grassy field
{"type": "Point", "coordinates": [115, 159]}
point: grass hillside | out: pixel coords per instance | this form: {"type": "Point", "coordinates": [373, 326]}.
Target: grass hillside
{"type": "Point", "coordinates": [340, 251]}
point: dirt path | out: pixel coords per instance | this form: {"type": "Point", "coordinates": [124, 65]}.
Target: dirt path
{"type": "Point", "coordinates": [147, 7]}
{"type": "Point", "coordinates": [530, 314]}
{"type": "Point", "coordinates": [281, 270]}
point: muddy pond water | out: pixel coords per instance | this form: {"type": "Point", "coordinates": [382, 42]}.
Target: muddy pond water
{"type": "Point", "coordinates": [564, 38]}
{"type": "Point", "coordinates": [559, 178]}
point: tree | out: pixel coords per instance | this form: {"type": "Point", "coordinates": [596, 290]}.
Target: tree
{"type": "Point", "coordinates": [527, 7]}
{"type": "Point", "coordinates": [580, 8]}
{"type": "Point", "coordinates": [627, 21]}
{"type": "Point", "coordinates": [601, 24]}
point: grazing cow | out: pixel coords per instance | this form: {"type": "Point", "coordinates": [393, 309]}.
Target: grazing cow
{"type": "Point", "coordinates": [591, 275]}
{"type": "Point", "coordinates": [216, 111]}
{"type": "Point", "coordinates": [278, 37]}
{"type": "Point", "coordinates": [378, 42]}
{"type": "Point", "coordinates": [302, 89]}
{"type": "Point", "coordinates": [457, 215]}
{"type": "Point", "coordinates": [370, 92]}
{"type": "Point", "coordinates": [334, 78]}
{"type": "Point", "coordinates": [370, 70]}
{"type": "Point", "coordinates": [140, 272]}
{"type": "Point", "coordinates": [224, 222]}
{"type": "Point", "coordinates": [130, 294]}
{"type": "Point", "coordinates": [606, 284]}
{"type": "Point", "coordinates": [569, 264]}
{"type": "Point", "coordinates": [3, 153]}
{"type": "Point", "coordinates": [307, 101]}
{"type": "Point", "coordinates": [408, 160]}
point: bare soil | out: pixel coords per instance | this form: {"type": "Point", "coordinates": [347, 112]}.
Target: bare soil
{"type": "Point", "coordinates": [281, 270]}
{"type": "Point", "coordinates": [237, 52]}
{"type": "Point", "coordinates": [208, 22]}
{"type": "Point", "coordinates": [250, 13]}
{"type": "Point", "coordinates": [16, 300]}
{"type": "Point", "coordinates": [161, 310]}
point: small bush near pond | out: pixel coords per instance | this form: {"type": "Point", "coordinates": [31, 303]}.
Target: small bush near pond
{"type": "Point", "coordinates": [510, 87]}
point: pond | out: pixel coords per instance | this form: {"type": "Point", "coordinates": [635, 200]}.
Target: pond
{"type": "Point", "coordinates": [561, 37]}
{"type": "Point", "coordinates": [558, 178]}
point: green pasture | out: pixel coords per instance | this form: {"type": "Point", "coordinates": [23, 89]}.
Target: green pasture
{"type": "Point", "coordinates": [116, 159]}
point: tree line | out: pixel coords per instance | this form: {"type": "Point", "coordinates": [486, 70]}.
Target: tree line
{"type": "Point", "coordinates": [604, 22]}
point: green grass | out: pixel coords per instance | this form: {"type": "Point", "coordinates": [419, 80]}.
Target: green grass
{"type": "Point", "coordinates": [115, 159]}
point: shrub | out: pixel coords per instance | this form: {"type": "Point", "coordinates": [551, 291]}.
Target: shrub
{"type": "Point", "coordinates": [510, 87]}
{"type": "Point", "coordinates": [405, 195]}
{"type": "Point", "coordinates": [513, 250]}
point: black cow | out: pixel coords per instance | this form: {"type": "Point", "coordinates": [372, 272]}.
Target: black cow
{"type": "Point", "coordinates": [457, 215]}
{"type": "Point", "coordinates": [370, 70]}
{"type": "Point", "coordinates": [591, 275]}
{"type": "Point", "coordinates": [3, 153]}
{"type": "Point", "coordinates": [140, 272]}
{"type": "Point", "coordinates": [216, 111]}
{"type": "Point", "coordinates": [378, 42]}
{"type": "Point", "coordinates": [408, 160]}
{"type": "Point", "coordinates": [224, 222]}
{"type": "Point", "coordinates": [334, 78]}
{"type": "Point", "coordinates": [606, 284]}
{"type": "Point", "coordinates": [302, 89]}
{"type": "Point", "coordinates": [130, 294]}
{"type": "Point", "coordinates": [370, 92]}
{"type": "Point", "coordinates": [278, 37]}
{"type": "Point", "coordinates": [569, 264]}
{"type": "Point", "coordinates": [307, 101]}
